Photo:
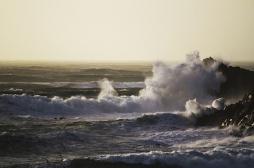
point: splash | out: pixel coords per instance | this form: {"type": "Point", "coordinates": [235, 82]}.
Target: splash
{"type": "Point", "coordinates": [172, 86]}
{"type": "Point", "coordinates": [219, 104]}
{"type": "Point", "coordinates": [107, 90]}
{"type": "Point", "coordinates": [193, 108]}
{"type": "Point", "coordinates": [167, 90]}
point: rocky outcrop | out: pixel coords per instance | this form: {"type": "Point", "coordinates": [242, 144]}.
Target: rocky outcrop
{"type": "Point", "coordinates": [238, 80]}
{"type": "Point", "coordinates": [240, 114]}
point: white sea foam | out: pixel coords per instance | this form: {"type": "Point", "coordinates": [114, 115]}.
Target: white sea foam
{"type": "Point", "coordinates": [216, 157]}
{"type": "Point", "coordinates": [172, 86]}
{"type": "Point", "coordinates": [107, 90]}
{"type": "Point", "coordinates": [219, 104]}
{"type": "Point", "coordinates": [167, 90]}
{"type": "Point", "coordinates": [15, 90]}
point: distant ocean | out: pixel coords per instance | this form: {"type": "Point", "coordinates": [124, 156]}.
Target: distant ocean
{"type": "Point", "coordinates": [117, 115]}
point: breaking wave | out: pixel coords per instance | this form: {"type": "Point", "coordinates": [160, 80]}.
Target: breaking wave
{"type": "Point", "coordinates": [167, 90]}
{"type": "Point", "coordinates": [217, 157]}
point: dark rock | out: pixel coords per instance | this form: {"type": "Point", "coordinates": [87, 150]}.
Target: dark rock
{"type": "Point", "coordinates": [240, 114]}
{"type": "Point", "coordinates": [238, 80]}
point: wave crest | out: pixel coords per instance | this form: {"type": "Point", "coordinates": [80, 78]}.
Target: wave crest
{"type": "Point", "coordinates": [167, 90]}
{"type": "Point", "coordinates": [217, 157]}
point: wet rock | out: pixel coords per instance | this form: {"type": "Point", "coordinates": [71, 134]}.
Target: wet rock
{"type": "Point", "coordinates": [240, 114]}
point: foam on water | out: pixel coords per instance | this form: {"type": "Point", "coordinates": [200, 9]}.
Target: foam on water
{"type": "Point", "coordinates": [216, 157]}
{"type": "Point", "coordinates": [159, 119]}
{"type": "Point", "coordinates": [167, 90]}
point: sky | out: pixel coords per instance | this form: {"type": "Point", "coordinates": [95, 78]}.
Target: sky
{"type": "Point", "coordinates": [125, 30]}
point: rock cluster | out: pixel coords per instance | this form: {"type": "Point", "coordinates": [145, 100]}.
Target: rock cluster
{"type": "Point", "coordinates": [240, 114]}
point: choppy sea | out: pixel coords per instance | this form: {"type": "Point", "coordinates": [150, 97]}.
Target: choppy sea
{"type": "Point", "coordinates": [112, 116]}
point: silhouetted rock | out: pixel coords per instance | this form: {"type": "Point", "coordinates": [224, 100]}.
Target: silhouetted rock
{"type": "Point", "coordinates": [209, 61]}
{"type": "Point", "coordinates": [238, 81]}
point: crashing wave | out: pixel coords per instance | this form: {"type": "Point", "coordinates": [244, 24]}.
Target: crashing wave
{"type": "Point", "coordinates": [167, 90]}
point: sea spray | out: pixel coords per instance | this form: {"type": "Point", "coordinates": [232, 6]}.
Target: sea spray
{"type": "Point", "coordinates": [107, 90]}
{"type": "Point", "coordinates": [167, 90]}
{"type": "Point", "coordinates": [172, 86]}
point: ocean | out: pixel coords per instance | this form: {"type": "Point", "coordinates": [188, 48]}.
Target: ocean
{"type": "Point", "coordinates": [114, 115]}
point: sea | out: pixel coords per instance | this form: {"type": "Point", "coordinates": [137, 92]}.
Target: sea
{"type": "Point", "coordinates": [106, 115]}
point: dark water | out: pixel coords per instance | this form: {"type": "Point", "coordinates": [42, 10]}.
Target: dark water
{"type": "Point", "coordinates": [51, 116]}
{"type": "Point", "coordinates": [70, 80]}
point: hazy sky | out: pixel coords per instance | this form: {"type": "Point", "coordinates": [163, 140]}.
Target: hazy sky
{"type": "Point", "coordinates": [122, 30]}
